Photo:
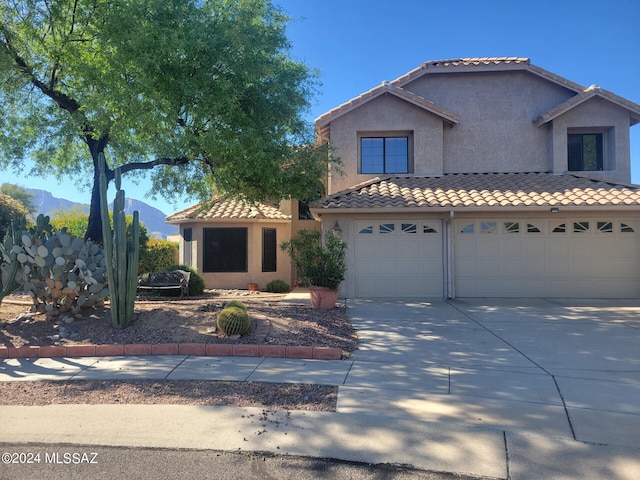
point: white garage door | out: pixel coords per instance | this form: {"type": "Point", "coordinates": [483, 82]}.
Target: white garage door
{"type": "Point", "coordinates": [571, 258]}
{"type": "Point", "coordinates": [399, 259]}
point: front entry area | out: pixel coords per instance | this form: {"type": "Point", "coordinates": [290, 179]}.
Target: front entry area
{"type": "Point", "coordinates": [401, 258]}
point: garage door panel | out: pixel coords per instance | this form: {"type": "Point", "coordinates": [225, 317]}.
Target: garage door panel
{"type": "Point", "coordinates": [487, 247]}
{"type": "Point", "coordinates": [511, 248]}
{"type": "Point", "coordinates": [566, 258]}
{"type": "Point", "coordinates": [511, 267]}
{"type": "Point", "coordinates": [399, 259]}
{"type": "Point", "coordinates": [533, 247]}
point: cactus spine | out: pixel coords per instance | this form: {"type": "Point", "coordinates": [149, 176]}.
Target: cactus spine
{"type": "Point", "coordinates": [233, 321]}
{"type": "Point", "coordinates": [121, 255]}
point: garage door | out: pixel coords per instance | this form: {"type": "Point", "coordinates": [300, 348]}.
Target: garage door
{"type": "Point", "coordinates": [572, 258]}
{"type": "Point", "coordinates": [399, 259]}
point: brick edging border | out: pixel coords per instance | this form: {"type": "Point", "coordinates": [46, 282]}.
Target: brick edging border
{"type": "Point", "coordinates": [200, 349]}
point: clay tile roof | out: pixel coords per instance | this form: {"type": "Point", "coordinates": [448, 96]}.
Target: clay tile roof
{"type": "Point", "coordinates": [486, 190]}
{"type": "Point", "coordinates": [231, 209]}
{"type": "Point", "coordinates": [592, 91]}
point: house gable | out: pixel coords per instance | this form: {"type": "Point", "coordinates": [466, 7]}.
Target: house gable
{"type": "Point", "coordinates": [510, 116]}
{"type": "Point", "coordinates": [387, 116]}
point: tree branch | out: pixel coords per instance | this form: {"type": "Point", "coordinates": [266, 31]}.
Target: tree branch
{"type": "Point", "coordinates": [63, 101]}
{"type": "Point", "coordinates": [172, 162]}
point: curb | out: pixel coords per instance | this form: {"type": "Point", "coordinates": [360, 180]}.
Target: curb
{"type": "Point", "coordinates": [199, 349]}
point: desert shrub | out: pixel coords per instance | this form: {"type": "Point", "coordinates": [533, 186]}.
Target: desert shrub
{"type": "Point", "coordinates": [196, 282]}
{"type": "Point", "coordinates": [233, 321]}
{"type": "Point", "coordinates": [236, 304]}
{"type": "Point", "coordinates": [278, 286]}
{"type": "Point", "coordinates": [75, 222]}
{"type": "Point", "coordinates": [157, 256]}
{"type": "Point", "coordinates": [9, 209]}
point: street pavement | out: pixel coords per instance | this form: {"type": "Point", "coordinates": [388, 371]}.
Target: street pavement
{"type": "Point", "coordinates": [493, 388]}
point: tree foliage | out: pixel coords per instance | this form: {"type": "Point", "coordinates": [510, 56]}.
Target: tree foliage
{"type": "Point", "coordinates": [20, 194]}
{"type": "Point", "coordinates": [204, 85]}
{"type": "Point", "coordinates": [75, 221]}
{"type": "Point", "coordinates": [9, 209]}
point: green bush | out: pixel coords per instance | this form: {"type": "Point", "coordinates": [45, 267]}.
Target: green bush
{"type": "Point", "coordinates": [317, 263]}
{"type": "Point", "coordinates": [234, 303]}
{"type": "Point", "coordinates": [75, 222]}
{"type": "Point", "coordinates": [233, 321]}
{"type": "Point", "coordinates": [157, 256]}
{"type": "Point", "coordinates": [278, 286]}
{"type": "Point", "coordinates": [196, 282]}
{"type": "Point", "coordinates": [9, 209]}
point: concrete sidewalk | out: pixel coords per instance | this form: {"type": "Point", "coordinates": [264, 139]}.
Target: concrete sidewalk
{"type": "Point", "coordinates": [498, 388]}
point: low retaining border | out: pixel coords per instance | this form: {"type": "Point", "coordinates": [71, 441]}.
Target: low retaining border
{"type": "Point", "coordinates": [200, 349]}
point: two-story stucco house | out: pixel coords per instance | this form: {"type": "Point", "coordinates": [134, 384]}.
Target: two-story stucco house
{"type": "Point", "coordinates": [484, 177]}
{"type": "Point", "coordinates": [466, 177]}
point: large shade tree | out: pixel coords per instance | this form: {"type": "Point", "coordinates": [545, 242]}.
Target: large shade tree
{"type": "Point", "coordinates": [204, 93]}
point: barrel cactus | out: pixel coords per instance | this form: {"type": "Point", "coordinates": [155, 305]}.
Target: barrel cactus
{"type": "Point", "coordinates": [235, 303]}
{"type": "Point", "coordinates": [233, 321]}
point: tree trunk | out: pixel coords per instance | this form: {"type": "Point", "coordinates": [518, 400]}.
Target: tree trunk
{"type": "Point", "coordinates": [94, 229]}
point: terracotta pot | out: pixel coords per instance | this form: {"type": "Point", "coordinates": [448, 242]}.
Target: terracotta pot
{"type": "Point", "coordinates": [323, 298]}
{"type": "Point", "coordinates": [253, 287]}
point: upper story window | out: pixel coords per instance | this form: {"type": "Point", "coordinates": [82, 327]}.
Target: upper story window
{"type": "Point", "coordinates": [389, 154]}
{"type": "Point", "coordinates": [585, 151]}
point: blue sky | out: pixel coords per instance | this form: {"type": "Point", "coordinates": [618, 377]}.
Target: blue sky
{"type": "Point", "coordinates": [356, 44]}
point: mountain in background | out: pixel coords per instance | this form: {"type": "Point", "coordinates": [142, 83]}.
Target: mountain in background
{"type": "Point", "coordinates": [151, 217]}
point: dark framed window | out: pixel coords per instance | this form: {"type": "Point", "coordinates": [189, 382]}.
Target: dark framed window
{"type": "Point", "coordinates": [225, 250]}
{"type": "Point", "coordinates": [585, 151]}
{"type": "Point", "coordinates": [187, 236]}
{"type": "Point", "coordinates": [269, 250]}
{"type": "Point", "coordinates": [384, 154]}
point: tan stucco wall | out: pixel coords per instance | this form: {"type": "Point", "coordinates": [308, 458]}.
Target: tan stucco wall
{"type": "Point", "coordinates": [599, 114]}
{"type": "Point", "coordinates": [496, 132]}
{"type": "Point", "coordinates": [384, 115]}
{"type": "Point", "coordinates": [254, 261]}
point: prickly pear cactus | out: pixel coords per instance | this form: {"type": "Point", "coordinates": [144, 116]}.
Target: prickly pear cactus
{"type": "Point", "coordinates": [233, 321]}
{"type": "Point", "coordinates": [8, 264]}
{"type": "Point", "coordinates": [59, 271]}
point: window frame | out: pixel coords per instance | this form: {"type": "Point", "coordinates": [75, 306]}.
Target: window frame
{"type": "Point", "coordinates": [210, 255]}
{"type": "Point", "coordinates": [577, 163]}
{"type": "Point", "coordinates": [385, 136]}
{"type": "Point", "coordinates": [269, 250]}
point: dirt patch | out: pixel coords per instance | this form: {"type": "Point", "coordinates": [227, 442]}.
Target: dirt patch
{"type": "Point", "coordinates": [166, 320]}
{"type": "Point", "coordinates": [187, 392]}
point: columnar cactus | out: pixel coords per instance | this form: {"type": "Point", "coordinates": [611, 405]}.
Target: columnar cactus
{"type": "Point", "coordinates": [121, 255]}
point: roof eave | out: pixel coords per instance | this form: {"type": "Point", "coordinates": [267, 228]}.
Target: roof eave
{"type": "Point", "coordinates": [226, 220]}
{"type": "Point", "coordinates": [459, 209]}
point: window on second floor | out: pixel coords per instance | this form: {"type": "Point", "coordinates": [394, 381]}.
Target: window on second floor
{"type": "Point", "coordinates": [585, 151]}
{"type": "Point", "coordinates": [384, 154]}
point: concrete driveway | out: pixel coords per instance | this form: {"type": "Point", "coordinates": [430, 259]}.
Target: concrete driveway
{"type": "Point", "coordinates": [557, 368]}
